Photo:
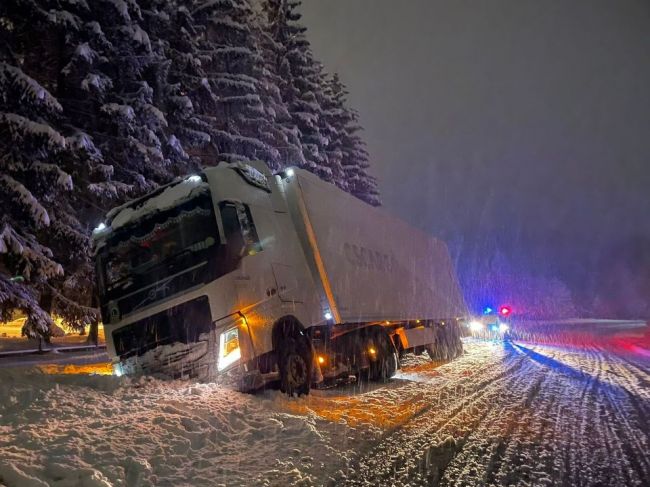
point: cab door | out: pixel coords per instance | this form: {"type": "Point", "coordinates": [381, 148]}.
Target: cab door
{"type": "Point", "coordinates": [253, 277]}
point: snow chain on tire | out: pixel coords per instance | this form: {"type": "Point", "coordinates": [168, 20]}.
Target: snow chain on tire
{"type": "Point", "coordinates": [295, 367]}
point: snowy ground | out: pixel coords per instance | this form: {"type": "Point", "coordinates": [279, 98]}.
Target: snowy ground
{"type": "Point", "coordinates": [503, 414]}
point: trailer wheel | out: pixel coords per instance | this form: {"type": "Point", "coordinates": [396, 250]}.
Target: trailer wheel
{"type": "Point", "coordinates": [448, 344]}
{"type": "Point", "coordinates": [295, 367]}
{"type": "Point", "coordinates": [385, 365]}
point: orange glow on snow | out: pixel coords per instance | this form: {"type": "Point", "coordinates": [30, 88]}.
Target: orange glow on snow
{"type": "Point", "coordinates": [102, 368]}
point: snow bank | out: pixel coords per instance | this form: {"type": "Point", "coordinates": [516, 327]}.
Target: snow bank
{"type": "Point", "coordinates": [109, 431]}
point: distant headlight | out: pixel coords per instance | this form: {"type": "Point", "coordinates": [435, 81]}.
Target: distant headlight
{"type": "Point", "coordinates": [475, 325]}
{"type": "Point", "coordinates": [503, 327]}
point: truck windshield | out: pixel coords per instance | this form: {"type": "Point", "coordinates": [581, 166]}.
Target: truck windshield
{"type": "Point", "coordinates": [161, 255]}
{"type": "Point", "coordinates": [160, 244]}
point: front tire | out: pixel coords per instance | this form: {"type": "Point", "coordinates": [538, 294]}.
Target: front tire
{"type": "Point", "coordinates": [295, 367]}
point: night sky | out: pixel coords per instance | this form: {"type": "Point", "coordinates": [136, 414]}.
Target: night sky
{"type": "Point", "coordinates": [522, 126]}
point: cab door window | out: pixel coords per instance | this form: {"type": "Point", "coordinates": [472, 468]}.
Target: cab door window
{"type": "Point", "coordinates": [239, 229]}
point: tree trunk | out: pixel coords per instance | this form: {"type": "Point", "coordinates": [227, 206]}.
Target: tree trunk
{"type": "Point", "coordinates": [45, 302]}
{"type": "Point", "coordinates": [93, 333]}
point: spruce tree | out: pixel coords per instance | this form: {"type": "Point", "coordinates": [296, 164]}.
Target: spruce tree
{"type": "Point", "coordinates": [302, 87]}
{"type": "Point", "coordinates": [283, 133]}
{"type": "Point", "coordinates": [39, 153]}
{"type": "Point", "coordinates": [29, 184]}
{"type": "Point", "coordinates": [115, 87]}
{"type": "Point", "coordinates": [354, 157]}
{"type": "Point", "coordinates": [101, 66]}
{"type": "Point", "coordinates": [173, 37]}
{"type": "Point", "coordinates": [223, 81]}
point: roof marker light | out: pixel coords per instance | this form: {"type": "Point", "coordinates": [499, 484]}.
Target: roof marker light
{"type": "Point", "coordinates": [100, 228]}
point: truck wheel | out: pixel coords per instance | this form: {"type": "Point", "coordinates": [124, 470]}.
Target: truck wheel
{"type": "Point", "coordinates": [295, 367]}
{"type": "Point", "coordinates": [386, 364]}
{"type": "Point", "coordinates": [448, 344]}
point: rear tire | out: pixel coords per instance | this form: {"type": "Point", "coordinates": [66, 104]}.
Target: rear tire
{"type": "Point", "coordinates": [385, 366]}
{"type": "Point", "coordinates": [448, 344]}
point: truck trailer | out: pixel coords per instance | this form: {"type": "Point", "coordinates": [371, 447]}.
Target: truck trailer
{"type": "Point", "coordinates": [241, 276]}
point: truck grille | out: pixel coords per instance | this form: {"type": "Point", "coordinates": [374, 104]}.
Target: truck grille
{"type": "Point", "coordinates": [181, 324]}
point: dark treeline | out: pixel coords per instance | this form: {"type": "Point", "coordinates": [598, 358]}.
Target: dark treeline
{"type": "Point", "coordinates": [103, 100]}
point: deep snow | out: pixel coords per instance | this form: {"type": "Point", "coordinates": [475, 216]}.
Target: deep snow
{"type": "Point", "coordinates": [502, 414]}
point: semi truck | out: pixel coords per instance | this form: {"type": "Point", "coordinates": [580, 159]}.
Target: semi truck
{"type": "Point", "coordinates": [242, 276]}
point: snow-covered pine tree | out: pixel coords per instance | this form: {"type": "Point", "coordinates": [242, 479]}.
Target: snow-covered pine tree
{"type": "Point", "coordinates": [36, 36]}
{"type": "Point", "coordinates": [116, 100]}
{"type": "Point", "coordinates": [173, 36]}
{"type": "Point", "coordinates": [303, 84]}
{"type": "Point", "coordinates": [336, 116]}
{"type": "Point", "coordinates": [223, 83]}
{"type": "Point", "coordinates": [348, 146]}
{"type": "Point", "coordinates": [285, 134]}
{"type": "Point", "coordinates": [102, 68]}
{"type": "Point", "coordinates": [106, 99]}
{"type": "Point", "coordinates": [115, 87]}
{"type": "Point", "coordinates": [29, 183]}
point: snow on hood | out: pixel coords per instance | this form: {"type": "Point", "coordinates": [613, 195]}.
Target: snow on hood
{"type": "Point", "coordinates": [171, 196]}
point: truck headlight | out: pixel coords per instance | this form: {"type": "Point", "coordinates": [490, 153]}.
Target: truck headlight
{"type": "Point", "coordinates": [229, 351]}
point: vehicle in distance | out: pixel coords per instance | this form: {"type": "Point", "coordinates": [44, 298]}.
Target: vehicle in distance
{"type": "Point", "coordinates": [242, 276]}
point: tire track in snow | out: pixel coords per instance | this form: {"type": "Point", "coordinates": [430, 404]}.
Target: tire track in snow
{"type": "Point", "coordinates": [596, 445]}
{"type": "Point", "coordinates": [554, 417]}
{"type": "Point", "coordinates": [434, 436]}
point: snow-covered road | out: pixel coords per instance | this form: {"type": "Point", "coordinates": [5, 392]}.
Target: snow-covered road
{"type": "Point", "coordinates": [502, 414]}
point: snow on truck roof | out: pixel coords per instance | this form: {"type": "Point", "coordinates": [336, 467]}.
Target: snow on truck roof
{"type": "Point", "coordinates": [172, 194]}
{"type": "Point", "coordinates": [161, 199]}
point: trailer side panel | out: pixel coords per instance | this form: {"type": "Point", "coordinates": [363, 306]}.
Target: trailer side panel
{"type": "Point", "coordinates": [377, 267]}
